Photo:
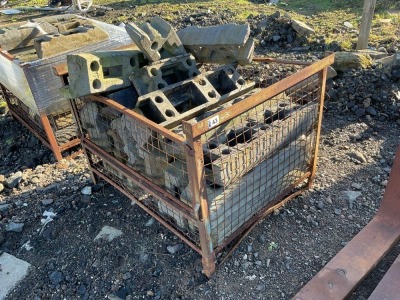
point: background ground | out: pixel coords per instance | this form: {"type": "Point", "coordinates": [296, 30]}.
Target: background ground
{"type": "Point", "coordinates": [280, 255]}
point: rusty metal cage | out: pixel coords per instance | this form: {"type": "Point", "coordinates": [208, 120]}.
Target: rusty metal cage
{"type": "Point", "coordinates": [30, 85]}
{"type": "Point", "coordinates": [213, 175]}
{"type": "Point", "coordinates": [56, 130]}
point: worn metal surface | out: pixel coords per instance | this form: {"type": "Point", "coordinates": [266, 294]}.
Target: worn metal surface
{"type": "Point", "coordinates": [340, 276]}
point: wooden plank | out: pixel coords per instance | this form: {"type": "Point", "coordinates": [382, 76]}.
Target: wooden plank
{"type": "Point", "coordinates": [366, 22]}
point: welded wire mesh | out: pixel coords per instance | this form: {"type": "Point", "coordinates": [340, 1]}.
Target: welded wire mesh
{"type": "Point", "coordinates": [250, 161]}
{"type": "Point", "coordinates": [61, 120]}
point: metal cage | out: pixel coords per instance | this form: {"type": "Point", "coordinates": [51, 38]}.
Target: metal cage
{"type": "Point", "coordinates": [211, 177]}
{"type": "Point", "coordinates": [30, 85]}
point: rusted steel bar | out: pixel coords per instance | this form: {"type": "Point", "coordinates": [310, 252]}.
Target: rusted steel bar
{"type": "Point", "coordinates": [70, 144]}
{"type": "Point", "coordinates": [141, 181]}
{"type": "Point", "coordinates": [196, 172]}
{"type": "Point", "coordinates": [389, 287]}
{"type": "Point", "coordinates": [141, 119]}
{"type": "Point", "coordinates": [274, 204]}
{"type": "Point", "coordinates": [340, 276]}
{"type": "Point", "coordinates": [149, 211]}
{"type": "Point", "coordinates": [37, 134]}
{"type": "Point", "coordinates": [322, 86]}
{"type": "Point", "coordinates": [281, 61]}
{"type": "Point", "coordinates": [258, 98]}
{"type": "Point", "coordinates": [50, 135]}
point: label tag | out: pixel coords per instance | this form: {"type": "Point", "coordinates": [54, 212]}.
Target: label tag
{"type": "Point", "coordinates": [214, 121]}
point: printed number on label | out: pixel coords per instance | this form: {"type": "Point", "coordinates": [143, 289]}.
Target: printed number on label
{"type": "Point", "coordinates": [213, 122]}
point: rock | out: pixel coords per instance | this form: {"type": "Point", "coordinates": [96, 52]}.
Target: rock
{"type": "Point", "coordinates": [371, 110]}
{"type": "Point", "coordinates": [150, 222]}
{"type": "Point", "coordinates": [348, 24]}
{"type": "Point", "coordinates": [357, 186]}
{"type": "Point", "coordinates": [350, 60]}
{"type": "Point", "coordinates": [320, 204]}
{"type": "Point", "coordinates": [2, 178]}
{"type": "Point", "coordinates": [373, 54]}
{"type": "Point", "coordinates": [127, 276]}
{"type": "Point", "coordinates": [360, 112]}
{"type": "Point", "coordinates": [338, 211]}
{"type": "Point", "coordinates": [302, 28]}
{"type": "Point", "coordinates": [276, 38]}
{"type": "Point", "coordinates": [1, 187]}
{"type": "Point", "coordinates": [87, 190]}
{"type": "Point", "coordinates": [13, 180]}
{"type": "Point", "coordinates": [351, 197]}
{"type": "Point", "coordinates": [175, 248]}
{"type": "Point", "coordinates": [357, 156]}
{"type": "Point", "coordinates": [35, 180]}
{"type": "Point", "coordinates": [47, 201]}
{"type": "Point", "coordinates": [14, 227]}
{"type": "Point", "coordinates": [331, 72]}
{"type": "Point", "coordinates": [4, 207]}
{"type": "Point", "coordinates": [56, 277]}
{"type": "Point", "coordinates": [108, 233]}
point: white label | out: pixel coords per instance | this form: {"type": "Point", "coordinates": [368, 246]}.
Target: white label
{"type": "Point", "coordinates": [214, 121]}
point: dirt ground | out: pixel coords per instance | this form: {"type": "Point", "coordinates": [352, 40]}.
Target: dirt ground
{"type": "Point", "coordinates": [276, 259]}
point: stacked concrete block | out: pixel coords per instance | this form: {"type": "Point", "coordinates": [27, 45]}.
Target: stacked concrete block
{"type": "Point", "coordinates": [156, 39]}
{"type": "Point", "coordinates": [91, 73]}
{"type": "Point", "coordinates": [189, 98]}
{"type": "Point", "coordinates": [160, 74]}
{"type": "Point", "coordinates": [50, 45]}
{"type": "Point", "coordinates": [24, 36]}
{"type": "Point", "coordinates": [224, 44]}
{"type": "Point", "coordinates": [249, 143]}
{"type": "Point", "coordinates": [231, 206]}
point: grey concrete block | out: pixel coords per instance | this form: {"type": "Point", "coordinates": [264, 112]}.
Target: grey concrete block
{"type": "Point", "coordinates": [222, 44]}
{"type": "Point", "coordinates": [50, 45]}
{"type": "Point", "coordinates": [248, 144]}
{"type": "Point", "coordinates": [225, 35]}
{"type": "Point", "coordinates": [91, 73]}
{"type": "Point", "coordinates": [160, 74]}
{"type": "Point", "coordinates": [24, 36]}
{"type": "Point", "coordinates": [156, 39]}
{"type": "Point", "coordinates": [13, 270]}
{"type": "Point", "coordinates": [187, 99]}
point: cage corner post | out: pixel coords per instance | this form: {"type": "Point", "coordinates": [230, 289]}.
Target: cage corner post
{"type": "Point", "coordinates": [322, 76]}
{"type": "Point", "coordinates": [195, 166]}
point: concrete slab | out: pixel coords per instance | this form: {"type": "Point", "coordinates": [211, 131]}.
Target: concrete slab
{"type": "Point", "coordinates": [108, 233]}
{"type": "Point", "coordinates": [13, 270]}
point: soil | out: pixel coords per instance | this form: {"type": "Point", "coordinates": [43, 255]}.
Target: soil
{"type": "Point", "coordinates": [273, 262]}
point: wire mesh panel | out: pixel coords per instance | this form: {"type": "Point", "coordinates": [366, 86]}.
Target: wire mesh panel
{"type": "Point", "coordinates": [213, 172]}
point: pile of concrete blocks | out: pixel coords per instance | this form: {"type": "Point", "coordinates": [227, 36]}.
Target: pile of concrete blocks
{"type": "Point", "coordinates": [249, 161]}
{"type": "Point", "coordinates": [49, 36]}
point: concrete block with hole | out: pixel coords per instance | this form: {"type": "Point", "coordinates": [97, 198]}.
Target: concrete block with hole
{"type": "Point", "coordinates": [22, 37]}
{"type": "Point", "coordinates": [91, 73]}
{"type": "Point", "coordinates": [187, 99]}
{"type": "Point", "coordinates": [249, 143]}
{"type": "Point", "coordinates": [232, 206]}
{"type": "Point", "coordinates": [50, 45]}
{"type": "Point", "coordinates": [156, 39]}
{"type": "Point", "coordinates": [160, 74]}
{"type": "Point", "coordinates": [223, 44]}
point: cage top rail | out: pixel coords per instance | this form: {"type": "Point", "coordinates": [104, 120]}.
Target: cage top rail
{"type": "Point", "coordinates": [141, 119]}
{"type": "Point", "coordinates": [202, 127]}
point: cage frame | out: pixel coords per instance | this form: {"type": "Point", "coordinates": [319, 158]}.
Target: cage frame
{"type": "Point", "coordinates": [192, 147]}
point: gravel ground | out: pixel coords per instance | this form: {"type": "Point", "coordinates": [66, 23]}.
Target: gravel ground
{"type": "Point", "coordinates": [149, 262]}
